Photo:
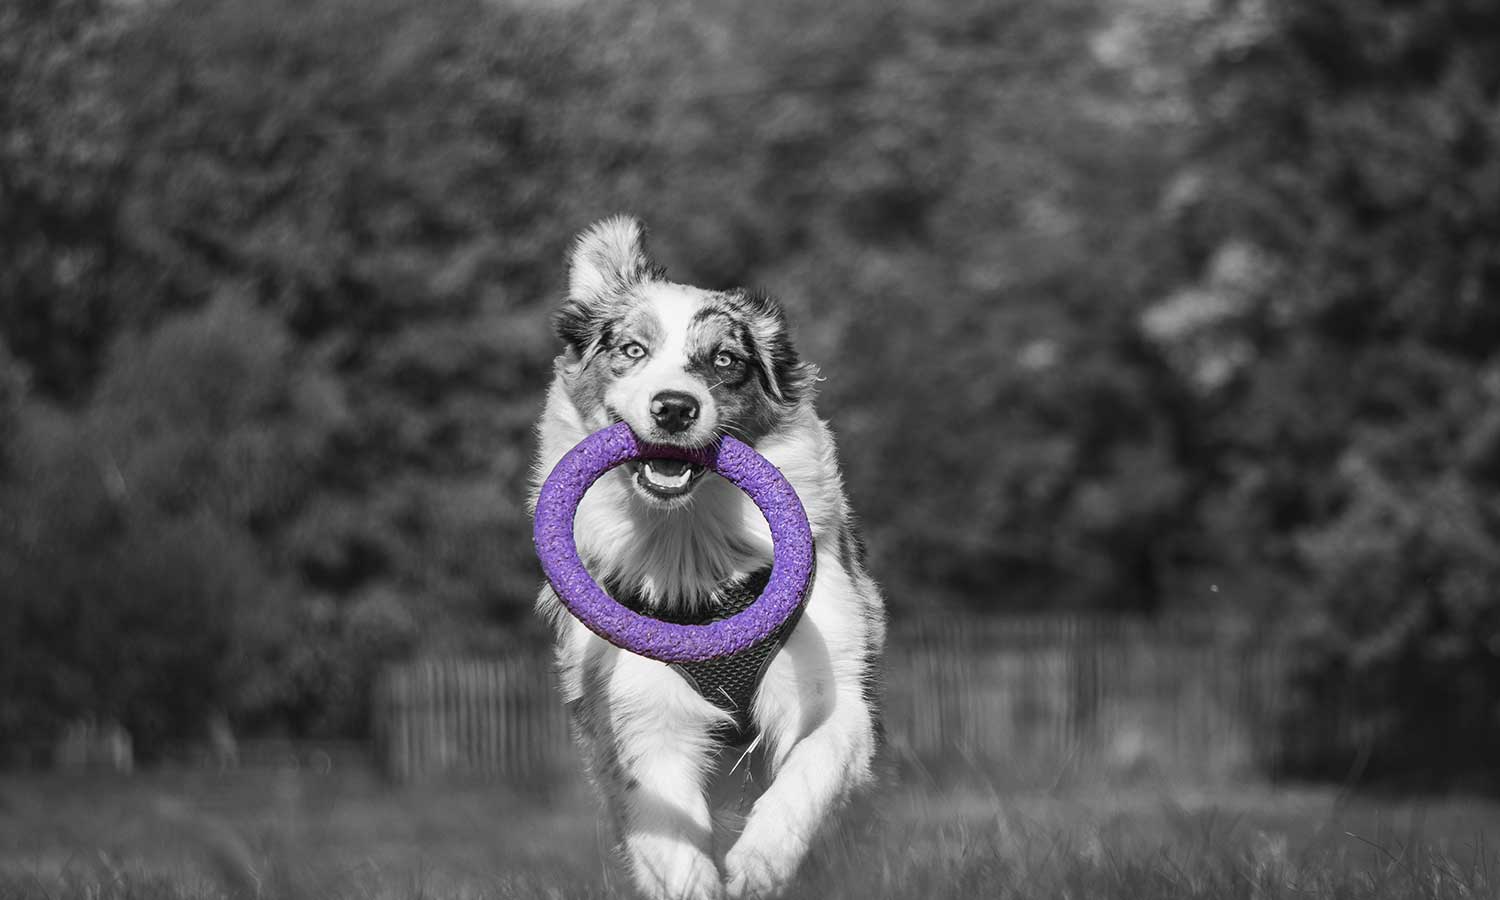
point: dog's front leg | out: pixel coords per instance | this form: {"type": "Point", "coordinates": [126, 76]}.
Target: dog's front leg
{"type": "Point", "coordinates": [820, 771]}
{"type": "Point", "coordinates": [814, 775]}
{"type": "Point", "coordinates": [657, 784]}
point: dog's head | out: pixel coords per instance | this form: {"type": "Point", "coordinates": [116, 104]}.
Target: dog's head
{"type": "Point", "coordinates": [681, 365]}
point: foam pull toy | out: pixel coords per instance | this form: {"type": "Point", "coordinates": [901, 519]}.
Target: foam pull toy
{"type": "Point", "coordinates": [791, 535]}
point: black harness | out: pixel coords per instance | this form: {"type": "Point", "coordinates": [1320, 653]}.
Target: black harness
{"type": "Point", "coordinates": [729, 682]}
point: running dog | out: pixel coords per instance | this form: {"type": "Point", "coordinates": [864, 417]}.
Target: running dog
{"type": "Point", "coordinates": [685, 366]}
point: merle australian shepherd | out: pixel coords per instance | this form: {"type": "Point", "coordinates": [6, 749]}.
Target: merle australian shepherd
{"type": "Point", "coordinates": [715, 779]}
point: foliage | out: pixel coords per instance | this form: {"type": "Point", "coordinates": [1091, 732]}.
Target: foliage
{"type": "Point", "coordinates": [310, 249]}
{"type": "Point", "coordinates": [1349, 153]}
{"type": "Point", "coordinates": [59, 168]}
{"type": "Point", "coordinates": [1113, 304]}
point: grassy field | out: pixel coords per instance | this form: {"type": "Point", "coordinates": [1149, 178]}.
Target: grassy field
{"type": "Point", "coordinates": [347, 834]}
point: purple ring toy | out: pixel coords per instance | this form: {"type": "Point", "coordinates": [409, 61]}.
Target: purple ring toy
{"type": "Point", "coordinates": [791, 536]}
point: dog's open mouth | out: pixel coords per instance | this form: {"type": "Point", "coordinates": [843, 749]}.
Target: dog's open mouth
{"type": "Point", "coordinates": [666, 479]}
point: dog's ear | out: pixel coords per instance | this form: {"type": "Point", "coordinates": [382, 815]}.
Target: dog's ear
{"type": "Point", "coordinates": [782, 372]}
{"type": "Point", "coordinates": [787, 378]}
{"type": "Point", "coordinates": [608, 259]}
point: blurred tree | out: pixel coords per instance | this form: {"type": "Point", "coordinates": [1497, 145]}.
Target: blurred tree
{"type": "Point", "coordinates": [321, 241]}
{"type": "Point", "coordinates": [1346, 207]}
{"type": "Point", "coordinates": [15, 387]}
{"type": "Point", "coordinates": [61, 154]}
{"type": "Point", "coordinates": [290, 228]}
{"type": "Point", "coordinates": [135, 552]}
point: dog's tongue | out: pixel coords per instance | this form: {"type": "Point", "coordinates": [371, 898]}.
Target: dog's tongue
{"type": "Point", "coordinates": [667, 467]}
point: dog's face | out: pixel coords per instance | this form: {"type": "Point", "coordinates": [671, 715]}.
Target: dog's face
{"type": "Point", "coordinates": [680, 365]}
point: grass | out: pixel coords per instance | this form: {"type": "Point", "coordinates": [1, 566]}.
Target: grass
{"type": "Point", "coordinates": [188, 834]}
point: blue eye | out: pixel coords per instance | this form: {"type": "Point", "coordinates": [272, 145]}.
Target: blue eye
{"type": "Point", "coordinates": [724, 361]}
{"type": "Point", "coordinates": [633, 350]}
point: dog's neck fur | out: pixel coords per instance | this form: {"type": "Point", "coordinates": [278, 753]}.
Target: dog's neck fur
{"type": "Point", "coordinates": [677, 558]}
{"type": "Point", "coordinates": [670, 558]}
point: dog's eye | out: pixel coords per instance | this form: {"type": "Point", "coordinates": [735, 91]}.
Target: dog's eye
{"type": "Point", "coordinates": [724, 360]}
{"type": "Point", "coordinates": [633, 350]}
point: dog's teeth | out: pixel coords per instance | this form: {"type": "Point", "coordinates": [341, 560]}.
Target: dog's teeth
{"type": "Point", "coordinates": [671, 482]}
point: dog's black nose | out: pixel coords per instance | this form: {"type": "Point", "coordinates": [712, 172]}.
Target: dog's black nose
{"type": "Point", "coordinates": [674, 411]}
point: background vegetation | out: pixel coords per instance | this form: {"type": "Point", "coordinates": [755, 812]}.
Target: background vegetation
{"type": "Point", "coordinates": [1121, 307]}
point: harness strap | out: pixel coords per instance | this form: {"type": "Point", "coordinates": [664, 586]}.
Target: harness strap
{"type": "Point", "coordinates": [729, 682]}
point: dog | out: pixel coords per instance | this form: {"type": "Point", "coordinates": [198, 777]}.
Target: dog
{"type": "Point", "coordinates": [686, 366]}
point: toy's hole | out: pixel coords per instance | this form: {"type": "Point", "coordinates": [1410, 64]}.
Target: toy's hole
{"type": "Point", "coordinates": [640, 574]}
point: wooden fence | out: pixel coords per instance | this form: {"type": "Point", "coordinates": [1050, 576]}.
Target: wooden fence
{"type": "Point", "coordinates": [1097, 694]}
{"type": "Point", "coordinates": [497, 717]}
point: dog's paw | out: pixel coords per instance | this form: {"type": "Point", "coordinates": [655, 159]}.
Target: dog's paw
{"type": "Point", "coordinates": [750, 876]}
{"type": "Point", "coordinates": [683, 876]}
